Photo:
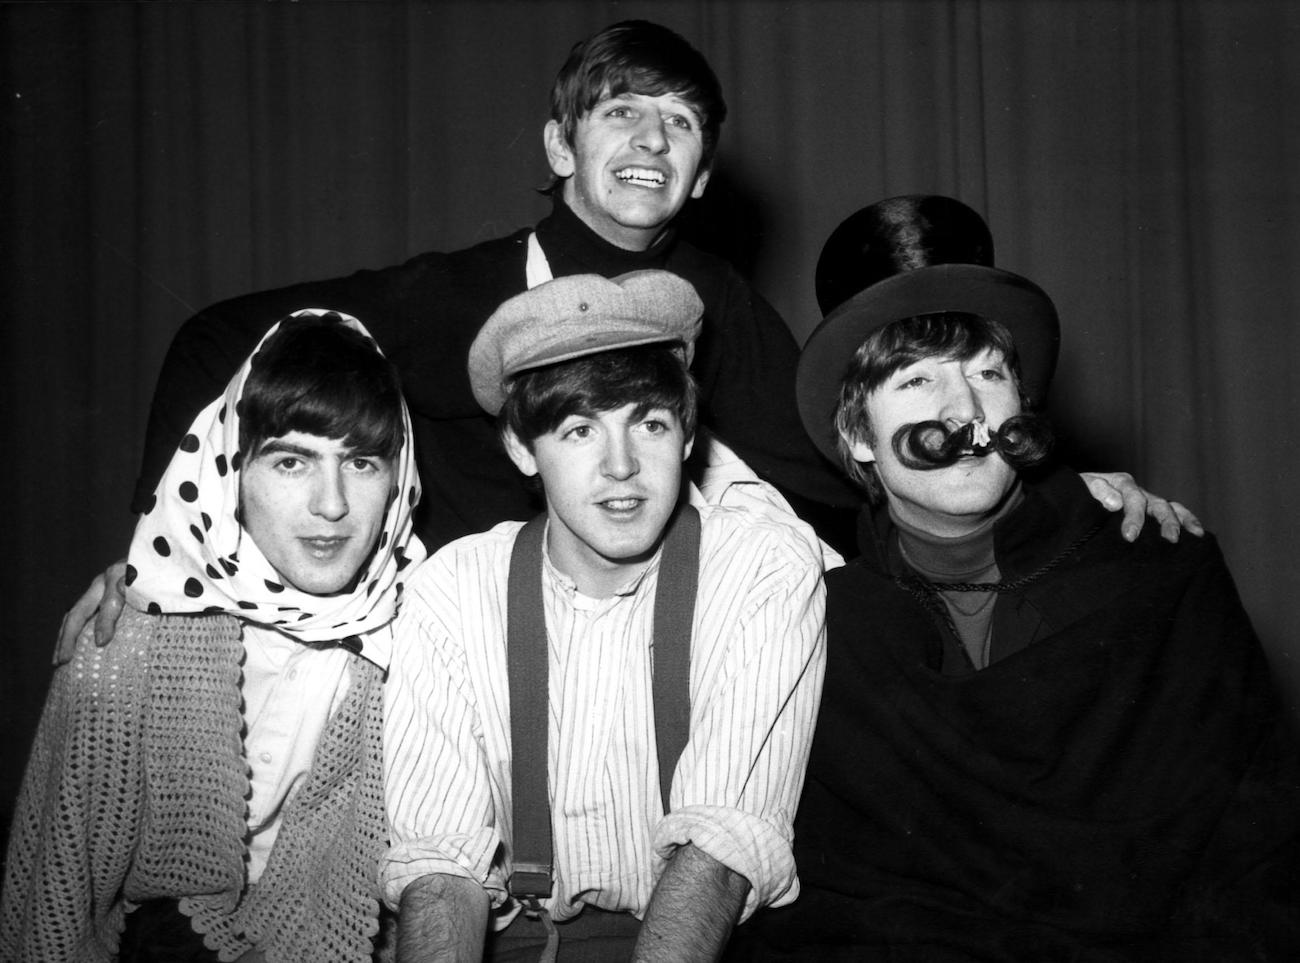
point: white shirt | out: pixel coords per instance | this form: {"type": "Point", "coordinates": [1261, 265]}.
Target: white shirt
{"type": "Point", "coordinates": [757, 657]}
{"type": "Point", "coordinates": [290, 692]}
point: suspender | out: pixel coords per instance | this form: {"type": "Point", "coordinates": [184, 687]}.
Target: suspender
{"type": "Point", "coordinates": [526, 654]}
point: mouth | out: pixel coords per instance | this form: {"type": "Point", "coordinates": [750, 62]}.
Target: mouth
{"type": "Point", "coordinates": [621, 506]}
{"type": "Point", "coordinates": [324, 548]}
{"type": "Point", "coordinates": [642, 177]}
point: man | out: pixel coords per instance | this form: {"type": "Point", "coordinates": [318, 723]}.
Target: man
{"type": "Point", "coordinates": [590, 380]}
{"type": "Point", "coordinates": [636, 113]}
{"type": "Point", "coordinates": [1037, 740]}
{"type": "Point", "coordinates": [211, 785]}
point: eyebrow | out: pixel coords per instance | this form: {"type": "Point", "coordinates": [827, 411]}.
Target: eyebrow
{"type": "Point", "coordinates": [278, 446]}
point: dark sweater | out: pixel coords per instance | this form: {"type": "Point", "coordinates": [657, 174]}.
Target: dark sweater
{"type": "Point", "coordinates": [425, 314]}
{"type": "Point", "coordinates": [1123, 787]}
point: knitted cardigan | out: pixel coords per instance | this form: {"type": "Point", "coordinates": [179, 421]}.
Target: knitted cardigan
{"type": "Point", "coordinates": [136, 788]}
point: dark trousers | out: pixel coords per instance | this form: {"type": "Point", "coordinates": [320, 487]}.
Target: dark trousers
{"type": "Point", "coordinates": [594, 936]}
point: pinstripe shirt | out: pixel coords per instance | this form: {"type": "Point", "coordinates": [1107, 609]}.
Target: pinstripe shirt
{"type": "Point", "coordinates": [757, 657]}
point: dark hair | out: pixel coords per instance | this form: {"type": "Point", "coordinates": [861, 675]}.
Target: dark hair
{"type": "Point", "coordinates": [319, 376]}
{"type": "Point", "coordinates": [648, 376]}
{"type": "Point", "coordinates": [951, 335]}
{"type": "Point", "coordinates": [636, 56]}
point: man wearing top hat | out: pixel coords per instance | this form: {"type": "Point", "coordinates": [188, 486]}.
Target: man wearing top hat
{"type": "Point", "coordinates": [629, 680]}
{"type": "Point", "coordinates": [1037, 741]}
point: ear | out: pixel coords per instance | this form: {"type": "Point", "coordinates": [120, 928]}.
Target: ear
{"type": "Point", "coordinates": [858, 448]}
{"type": "Point", "coordinates": [519, 453]}
{"type": "Point", "coordinates": [688, 447]}
{"type": "Point", "coordinates": [558, 152]}
{"type": "Point", "coordinates": [701, 182]}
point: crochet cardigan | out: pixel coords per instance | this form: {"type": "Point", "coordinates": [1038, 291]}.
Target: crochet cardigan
{"type": "Point", "coordinates": [135, 790]}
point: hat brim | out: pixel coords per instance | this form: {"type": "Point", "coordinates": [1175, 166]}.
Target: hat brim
{"type": "Point", "coordinates": [1015, 302]}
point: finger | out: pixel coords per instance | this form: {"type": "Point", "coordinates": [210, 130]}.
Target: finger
{"type": "Point", "coordinates": [1102, 490]}
{"type": "Point", "coordinates": [1136, 507]}
{"type": "Point", "coordinates": [62, 649]}
{"type": "Point", "coordinates": [1186, 519]}
{"type": "Point", "coordinates": [109, 612]}
{"type": "Point", "coordinates": [76, 619]}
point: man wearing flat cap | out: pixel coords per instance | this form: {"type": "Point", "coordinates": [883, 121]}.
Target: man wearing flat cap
{"type": "Point", "coordinates": [1037, 741]}
{"type": "Point", "coordinates": [598, 721]}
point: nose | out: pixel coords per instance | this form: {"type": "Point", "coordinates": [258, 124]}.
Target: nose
{"type": "Point", "coordinates": [960, 402]}
{"type": "Point", "coordinates": [650, 134]}
{"type": "Point", "coordinates": [329, 498]}
{"type": "Point", "coordinates": [618, 460]}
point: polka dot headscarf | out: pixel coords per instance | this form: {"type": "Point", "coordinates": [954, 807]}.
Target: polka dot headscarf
{"type": "Point", "coordinates": [190, 555]}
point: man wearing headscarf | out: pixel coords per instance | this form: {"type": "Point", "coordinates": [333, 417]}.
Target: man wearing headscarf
{"type": "Point", "coordinates": [212, 783]}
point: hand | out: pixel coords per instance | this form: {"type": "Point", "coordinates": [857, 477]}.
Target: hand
{"type": "Point", "coordinates": [103, 601]}
{"type": "Point", "coordinates": [1116, 490]}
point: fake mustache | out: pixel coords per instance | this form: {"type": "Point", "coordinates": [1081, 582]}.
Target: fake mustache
{"type": "Point", "coordinates": [1023, 441]}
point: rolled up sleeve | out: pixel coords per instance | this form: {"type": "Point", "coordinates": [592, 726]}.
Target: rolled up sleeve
{"type": "Point", "coordinates": [754, 707]}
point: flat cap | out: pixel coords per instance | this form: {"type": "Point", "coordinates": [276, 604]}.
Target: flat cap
{"type": "Point", "coordinates": [575, 316]}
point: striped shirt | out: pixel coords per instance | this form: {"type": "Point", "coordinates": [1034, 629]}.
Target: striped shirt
{"type": "Point", "coordinates": [757, 657]}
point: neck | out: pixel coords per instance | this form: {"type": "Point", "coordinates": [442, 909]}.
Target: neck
{"type": "Point", "coordinates": [631, 239]}
{"type": "Point", "coordinates": [946, 559]}
{"type": "Point", "coordinates": [944, 525]}
{"type": "Point", "coordinates": [594, 575]}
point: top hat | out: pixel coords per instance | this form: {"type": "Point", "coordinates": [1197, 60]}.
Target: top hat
{"type": "Point", "coordinates": [898, 234]}
{"type": "Point", "coordinates": [904, 257]}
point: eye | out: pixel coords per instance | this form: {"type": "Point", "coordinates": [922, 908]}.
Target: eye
{"type": "Point", "coordinates": [654, 426]}
{"type": "Point", "coordinates": [288, 463]}
{"type": "Point", "coordinates": [363, 465]}
{"type": "Point", "coordinates": [915, 381]}
{"type": "Point", "coordinates": [578, 432]}
{"type": "Point", "coordinates": [619, 111]}
{"type": "Point", "coordinates": [681, 121]}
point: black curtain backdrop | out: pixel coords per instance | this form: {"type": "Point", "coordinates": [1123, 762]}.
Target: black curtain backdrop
{"type": "Point", "coordinates": [1138, 158]}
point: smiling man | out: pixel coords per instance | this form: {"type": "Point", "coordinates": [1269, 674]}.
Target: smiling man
{"type": "Point", "coordinates": [601, 716]}
{"type": "Point", "coordinates": [1037, 741]}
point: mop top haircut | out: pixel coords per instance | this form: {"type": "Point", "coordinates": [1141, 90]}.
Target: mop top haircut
{"type": "Point", "coordinates": [651, 376]}
{"type": "Point", "coordinates": [318, 376]}
{"type": "Point", "coordinates": [639, 57]}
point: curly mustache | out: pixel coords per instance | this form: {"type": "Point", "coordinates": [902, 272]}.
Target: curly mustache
{"type": "Point", "coordinates": [1023, 441]}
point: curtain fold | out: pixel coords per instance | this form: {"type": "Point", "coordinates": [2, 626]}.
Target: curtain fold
{"type": "Point", "coordinates": [1135, 157]}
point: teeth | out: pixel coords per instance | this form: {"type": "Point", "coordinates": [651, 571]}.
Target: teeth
{"type": "Point", "coordinates": [621, 504]}
{"type": "Point", "coordinates": [632, 175]}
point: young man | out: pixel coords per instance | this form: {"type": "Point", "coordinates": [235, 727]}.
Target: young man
{"type": "Point", "coordinates": [589, 377]}
{"type": "Point", "coordinates": [636, 113]}
{"type": "Point", "coordinates": [211, 785]}
{"type": "Point", "coordinates": [1037, 741]}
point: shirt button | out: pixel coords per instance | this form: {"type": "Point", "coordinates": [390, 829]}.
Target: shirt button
{"type": "Point", "coordinates": [265, 756]}
{"type": "Point", "coordinates": [293, 674]}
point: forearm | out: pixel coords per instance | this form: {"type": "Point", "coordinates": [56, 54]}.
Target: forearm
{"type": "Point", "coordinates": [692, 910]}
{"type": "Point", "coordinates": [442, 918]}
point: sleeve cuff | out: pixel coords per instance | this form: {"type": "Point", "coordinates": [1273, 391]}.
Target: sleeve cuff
{"type": "Point", "coordinates": [469, 855]}
{"type": "Point", "coordinates": [746, 844]}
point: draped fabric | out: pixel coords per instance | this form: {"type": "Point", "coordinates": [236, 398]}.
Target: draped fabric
{"type": "Point", "coordinates": [1137, 158]}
